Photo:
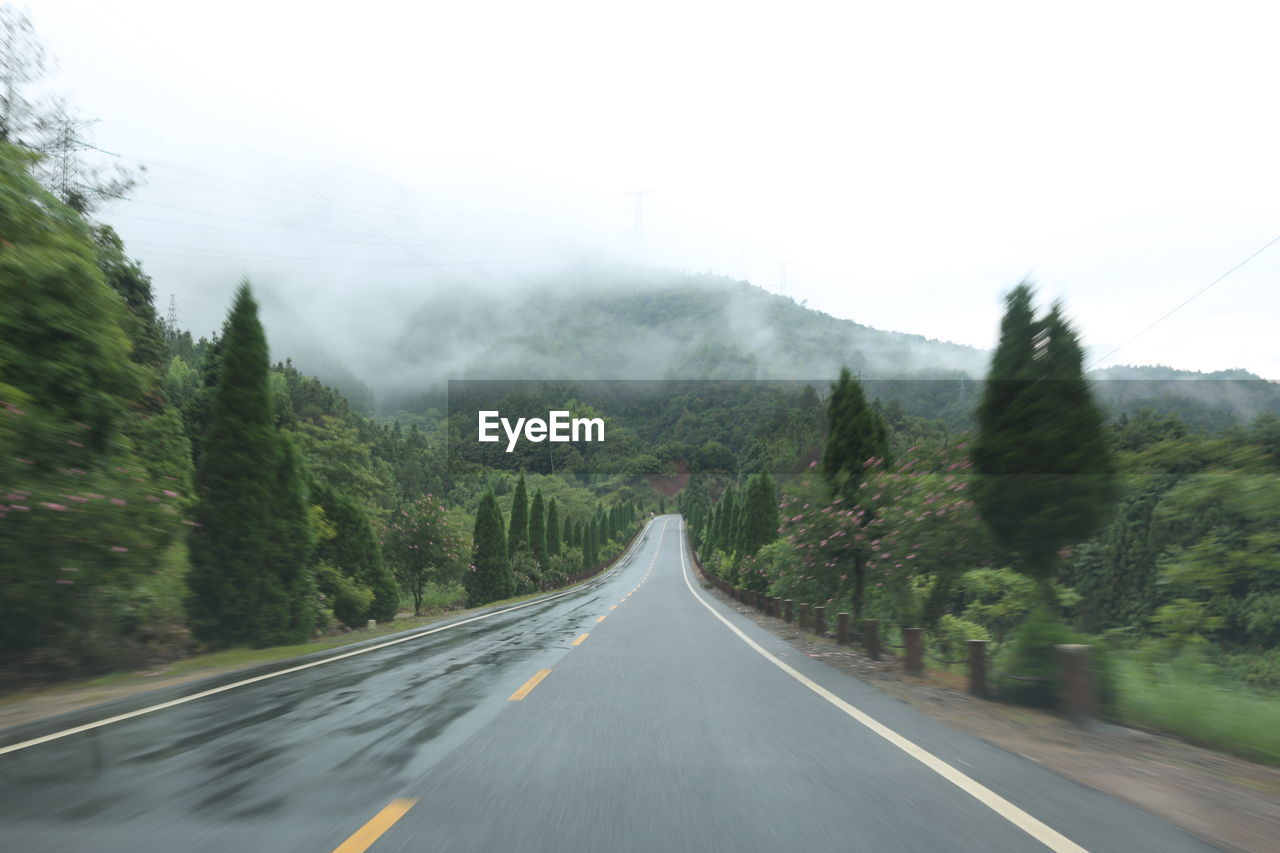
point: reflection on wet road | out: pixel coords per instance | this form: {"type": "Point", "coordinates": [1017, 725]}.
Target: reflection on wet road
{"type": "Point", "coordinates": [312, 742]}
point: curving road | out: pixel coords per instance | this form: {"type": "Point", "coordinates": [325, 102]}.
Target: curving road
{"type": "Point", "coordinates": [673, 725]}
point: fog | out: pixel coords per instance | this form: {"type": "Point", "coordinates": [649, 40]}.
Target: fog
{"type": "Point", "coordinates": [372, 168]}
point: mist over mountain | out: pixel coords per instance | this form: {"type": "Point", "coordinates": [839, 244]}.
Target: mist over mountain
{"type": "Point", "coordinates": [609, 322]}
{"type": "Point", "coordinates": [391, 349]}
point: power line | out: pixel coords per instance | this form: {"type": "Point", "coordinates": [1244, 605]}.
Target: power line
{"type": "Point", "coordinates": [1185, 302]}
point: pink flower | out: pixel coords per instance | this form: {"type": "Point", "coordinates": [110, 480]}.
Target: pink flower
{"type": "Point", "coordinates": [118, 501]}
{"type": "Point", "coordinates": [74, 443]}
{"type": "Point", "coordinates": [169, 493]}
{"type": "Point", "coordinates": [53, 506]}
{"type": "Point", "coordinates": [119, 549]}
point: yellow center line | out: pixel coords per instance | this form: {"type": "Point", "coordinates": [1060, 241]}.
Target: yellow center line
{"type": "Point", "coordinates": [602, 618]}
{"type": "Point", "coordinates": [372, 831]}
{"type": "Point", "coordinates": [578, 641]}
{"type": "Point", "coordinates": [614, 607]}
{"type": "Point", "coordinates": [529, 685]}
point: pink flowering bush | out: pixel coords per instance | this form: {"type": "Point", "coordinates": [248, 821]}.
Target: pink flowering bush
{"type": "Point", "coordinates": [77, 538]}
{"type": "Point", "coordinates": [912, 530]}
{"type": "Point", "coordinates": [423, 548]}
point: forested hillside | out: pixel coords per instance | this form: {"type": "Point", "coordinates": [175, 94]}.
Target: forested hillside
{"type": "Point", "coordinates": [162, 494]}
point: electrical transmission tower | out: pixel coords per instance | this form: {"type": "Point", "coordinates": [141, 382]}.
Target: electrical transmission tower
{"type": "Point", "coordinates": [637, 233]}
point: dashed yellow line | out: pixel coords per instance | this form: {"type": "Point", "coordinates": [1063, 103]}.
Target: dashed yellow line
{"type": "Point", "coordinates": [529, 685]}
{"type": "Point", "coordinates": [372, 831]}
{"type": "Point", "coordinates": [581, 637]}
{"type": "Point", "coordinates": [602, 618]}
{"type": "Point", "coordinates": [614, 607]}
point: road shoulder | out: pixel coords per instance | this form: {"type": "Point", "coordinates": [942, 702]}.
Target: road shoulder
{"type": "Point", "coordinates": [1228, 802]}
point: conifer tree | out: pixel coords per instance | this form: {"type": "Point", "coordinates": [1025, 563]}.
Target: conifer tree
{"type": "Point", "coordinates": [538, 530]}
{"type": "Point", "coordinates": [489, 578]}
{"type": "Point", "coordinates": [553, 529]}
{"type": "Point", "coordinates": [855, 433]}
{"type": "Point", "coordinates": [759, 525]}
{"type": "Point", "coordinates": [250, 552]}
{"type": "Point", "coordinates": [518, 535]}
{"type": "Point", "coordinates": [286, 613]}
{"type": "Point", "coordinates": [1045, 475]}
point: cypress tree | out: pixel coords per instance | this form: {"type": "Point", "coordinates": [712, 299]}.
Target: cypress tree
{"type": "Point", "coordinates": [759, 524]}
{"type": "Point", "coordinates": [1045, 475]}
{"type": "Point", "coordinates": [855, 433]}
{"type": "Point", "coordinates": [286, 613]}
{"type": "Point", "coordinates": [728, 516]}
{"type": "Point", "coordinates": [568, 533]}
{"type": "Point", "coordinates": [553, 529]}
{"type": "Point", "coordinates": [249, 552]}
{"type": "Point", "coordinates": [538, 530]}
{"type": "Point", "coordinates": [518, 536]}
{"type": "Point", "coordinates": [490, 577]}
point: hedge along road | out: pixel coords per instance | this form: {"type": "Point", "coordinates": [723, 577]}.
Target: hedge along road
{"type": "Point", "coordinates": [638, 714]}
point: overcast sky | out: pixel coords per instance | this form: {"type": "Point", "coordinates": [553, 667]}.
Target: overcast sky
{"type": "Point", "coordinates": [899, 164]}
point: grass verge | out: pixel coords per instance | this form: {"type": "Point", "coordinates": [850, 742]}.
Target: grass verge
{"type": "Point", "coordinates": [1184, 700]}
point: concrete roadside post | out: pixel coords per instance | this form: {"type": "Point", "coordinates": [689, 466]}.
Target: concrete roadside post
{"type": "Point", "coordinates": [978, 667]}
{"type": "Point", "coordinates": [871, 637]}
{"type": "Point", "coordinates": [842, 629]}
{"type": "Point", "coordinates": [1076, 671]}
{"type": "Point", "coordinates": [915, 649]}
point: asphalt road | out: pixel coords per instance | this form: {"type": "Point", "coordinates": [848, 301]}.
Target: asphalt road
{"type": "Point", "coordinates": [675, 725]}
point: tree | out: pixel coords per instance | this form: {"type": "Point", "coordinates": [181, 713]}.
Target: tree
{"type": "Point", "coordinates": [50, 129]}
{"type": "Point", "coordinates": [538, 530]}
{"type": "Point", "coordinates": [553, 529]}
{"type": "Point", "coordinates": [284, 613]}
{"type": "Point", "coordinates": [354, 550]}
{"type": "Point", "coordinates": [489, 576]}
{"type": "Point", "coordinates": [855, 435]}
{"type": "Point", "coordinates": [759, 525]}
{"type": "Point", "coordinates": [248, 552]}
{"type": "Point", "coordinates": [423, 549]}
{"type": "Point", "coordinates": [22, 61]}
{"type": "Point", "coordinates": [1045, 477]}
{"type": "Point", "coordinates": [518, 536]}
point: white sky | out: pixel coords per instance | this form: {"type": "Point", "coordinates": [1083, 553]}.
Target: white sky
{"type": "Point", "coordinates": [908, 161]}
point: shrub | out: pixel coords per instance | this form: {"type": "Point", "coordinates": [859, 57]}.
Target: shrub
{"type": "Point", "coordinates": [953, 634]}
{"type": "Point", "coordinates": [1033, 655]}
{"type": "Point", "coordinates": [349, 599]}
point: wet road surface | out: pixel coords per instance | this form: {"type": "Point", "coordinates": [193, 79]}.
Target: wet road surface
{"type": "Point", "coordinates": [674, 725]}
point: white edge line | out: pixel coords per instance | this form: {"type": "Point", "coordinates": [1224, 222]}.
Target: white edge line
{"type": "Point", "coordinates": [1046, 835]}
{"type": "Point", "coordinates": [97, 724]}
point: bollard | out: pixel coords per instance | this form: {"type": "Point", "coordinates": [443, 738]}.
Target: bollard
{"type": "Point", "coordinates": [978, 667]}
{"type": "Point", "coordinates": [842, 628]}
{"type": "Point", "coordinates": [820, 621]}
{"type": "Point", "coordinates": [803, 619]}
{"type": "Point", "coordinates": [871, 637]}
{"type": "Point", "coordinates": [777, 607]}
{"type": "Point", "coordinates": [786, 610]}
{"type": "Point", "coordinates": [1076, 674]}
{"type": "Point", "coordinates": [372, 623]}
{"type": "Point", "coordinates": [915, 649]}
